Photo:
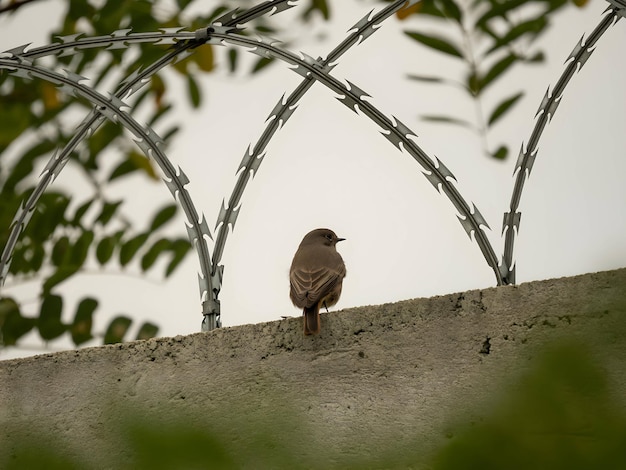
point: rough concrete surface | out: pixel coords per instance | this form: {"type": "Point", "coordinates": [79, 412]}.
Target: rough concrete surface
{"type": "Point", "coordinates": [376, 374]}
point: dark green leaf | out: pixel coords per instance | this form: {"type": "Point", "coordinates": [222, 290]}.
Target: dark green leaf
{"type": "Point", "coordinates": [134, 161]}
{"type": "Point", "coordinates": [532, 27]}
{"type": "Point", "coordinates": [124, 168]}
{"type": "Point", "coordinates": [203, 56]}
{"type": "Point", "coordinates": [232, 59]}
{"type": "Point", "coordinates": [503, 108]}
{"type": "Point", "coordinates": [163, 216]}
{"type": "Point", "coordinates": [499, 10]}
{"type": "Point", "coordinates": [153, 253]}
{"type": "Point", "coordinates": [437, 43]}
{"type": "Point", "coordinates": [49, 321]}
{"type": "Point", "coordinates": [426, 78]}
{"type": "Point", "coordinates": [167, 135]}
{"type": "Point", "coordinates": [105, 249]}
{"type": "Point", "coordinates": [129, 249]}
{"type": "Point", "coordinates": [498, 69]}
{"type": "Point", "coordinates": [183, 3]}
{"type": "Point", "coordinates": [60, 251]}
{"type": "Point", "coordinates": [261, 64]}
{"type": "Point", "coordinates": [148, 330]}
{"type": "Point", "coordinates": [60, 275]}
{"type": "Point", "coordinates": [117, 329]}
{"type": "Point", "coordinates": [81, 248]}
{"type": "Point", "coordinates": [12, 324]}
{"type": "Point", "coordinates": [106, 135]}
{"type": "Point", "coordinates": [452, 10]}
{"type": "Point", "coordinates": [538, 57]}
{"type": "Point", "coordinates": [25, 164]}
{"type": "Point", "coordinates": [80, 212]}
{"type": "Point", "coordinates": [501, 153]}
{"type": "Point", "coordinates": [83, 321]}
{"type": "Point", "coordinates": [179, 248]}
{"type": "Point", "coordinates": [162, 111]}
{"type": "Point", "coordinates": [473, 84]}
{"type": "Point", "coordinates": [317, 5]}
{"type": "Point", "coordinates": [108, 211]}
{"type": "Point", "coordinates": [194, 91]}
{"type": "Point", "coordinates": [35, 256]}
{"type": "Point", "coordinates": [446, 119]}
{"type": "Point", "coordinates": [50, 213]}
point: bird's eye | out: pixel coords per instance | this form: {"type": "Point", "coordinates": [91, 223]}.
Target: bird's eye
{"type": "Point", "coordinates": [329, 236]}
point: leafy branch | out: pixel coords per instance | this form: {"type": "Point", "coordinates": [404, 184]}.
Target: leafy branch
{"type": "Point", "coordinates": [496, 36]}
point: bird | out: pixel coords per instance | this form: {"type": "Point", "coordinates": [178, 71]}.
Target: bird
{"type": "Point", "coordinates": [316, 276]}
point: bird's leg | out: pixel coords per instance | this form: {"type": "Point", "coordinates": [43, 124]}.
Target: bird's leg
{"type": "Point", "coordinates": [325, 306]}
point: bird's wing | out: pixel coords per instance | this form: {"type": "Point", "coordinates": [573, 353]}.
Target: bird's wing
{"type": "Point", "coordinates": [309, 286]}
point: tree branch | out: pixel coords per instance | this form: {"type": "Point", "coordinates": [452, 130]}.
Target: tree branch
{"type": "Point", "coordinates": [13, 6]}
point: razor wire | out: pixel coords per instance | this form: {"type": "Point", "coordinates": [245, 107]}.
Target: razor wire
{"type": "Point", "coordinates": [119, 40]}
{"type": "Point", "coordinates": [223, 31]}
{"type": "Point", "coordinates": [549, 104]}
{"type": "Point", "coordinates": [276, 120]}
{"type": "Point", "coordinates": [392, 129]}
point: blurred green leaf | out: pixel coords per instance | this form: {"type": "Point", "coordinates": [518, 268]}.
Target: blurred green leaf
{"type": "Point", "coordinates": [108, 211]}
{"type": "Point", "coordinates": [49, 214]}
{"type": "Point", "coordinates": [147, 330]}
{"type": "Point", "coordinates": [180, 248]}
{"type": "Point", "coordinates": [499, 10]}
{"type": "Point", "coordinates": [60, 252]}
{"type": "Point", "coordinates": [446, 119]}
{"type": "Point", "coordinates": [117, 329]}
{"type": "Point", "coordinates": [538, 57]}
{"type": "Point", "coordinates": [203, 56]}
{"type": "Point", "coordinates": [49, 322]}
{"type": "Point", "coordinates": [317, 5]}
{"type": "Point", "coordinates": [83, 321]}
{"type": "Point", "coordinates": [194, 91]}
{"type": "Point", "coordinates": [163, 216]}
{"type": "Point", "coordinates": [153, 253]}
{"type": "Point", "coordinates": [452, 10]}
{"type": "Point", "coordinates": [437, 43]}
{"type": "Point", "coordinates": [426, 78]}
{"type": "Point", "coordinates": [503, 108]}
{"type": "Point", "coordinates": [61, 274]}
{"type": "Point", "coordinates": [134, 161]}
{"type": "Point", "coordinates": [25, 165]}
{"type": "Point", "coordinates": [183, 3]}
{"type": "Point", "coordinates": [14, 120]}
{"type": "Point", "coordinates": [80, 249]}
{"type": "Point", "coordinates": [12, 324]}
{"type": "Point", "coordinates": [534, 26]}
{"type": "Point", "coordinates": [105, 248]}
{"type": "Point", "coordinates": [129, 248]}
{"type": "Point", "coordinates": [260, 64]}
{"type": "Point", "coordinates": [80, 212]}
{"type": "Point", "coordinates": [497, 70]}
{"type": "Point", "coordinates": [559, 416]}
{"type": "Point", "coordinates": [501, 153]}
{"type": "Point", "coordinates": [232, 59]}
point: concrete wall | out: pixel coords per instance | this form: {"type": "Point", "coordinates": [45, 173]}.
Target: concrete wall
{"type": "Point", "coordinates": [377, 374]}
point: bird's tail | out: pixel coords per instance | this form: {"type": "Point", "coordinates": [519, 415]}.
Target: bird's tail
{"type": "Point", "coordinates": [312, 322]}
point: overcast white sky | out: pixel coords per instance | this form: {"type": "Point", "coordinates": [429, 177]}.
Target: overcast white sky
{"type": "Point", "coordinates": [329, 167]}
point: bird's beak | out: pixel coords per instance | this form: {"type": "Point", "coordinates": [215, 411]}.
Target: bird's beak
{"type": "Point", "coordinates": [340, 240]}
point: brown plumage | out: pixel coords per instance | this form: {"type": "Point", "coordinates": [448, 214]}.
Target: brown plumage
{"type": "Point", "coordinates": [316, 276]}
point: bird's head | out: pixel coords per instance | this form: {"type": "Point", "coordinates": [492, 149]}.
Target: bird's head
{"type": "Point", "coordinates": [321, 236]}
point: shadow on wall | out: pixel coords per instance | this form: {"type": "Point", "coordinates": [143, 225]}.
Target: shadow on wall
{"type": "Point", "coordinates": [562, 413]}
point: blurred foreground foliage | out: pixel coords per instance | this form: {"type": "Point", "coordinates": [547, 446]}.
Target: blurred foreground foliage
{"type": "Point", "coordinates": [81, 228]}
{"type": "Point", "coordinates": [487, 39]}
{"type": "Point", "coordinates": [562, 414]}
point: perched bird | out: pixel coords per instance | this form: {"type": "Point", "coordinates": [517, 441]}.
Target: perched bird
{"type": "Point", "coordinates": [316, 276]}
